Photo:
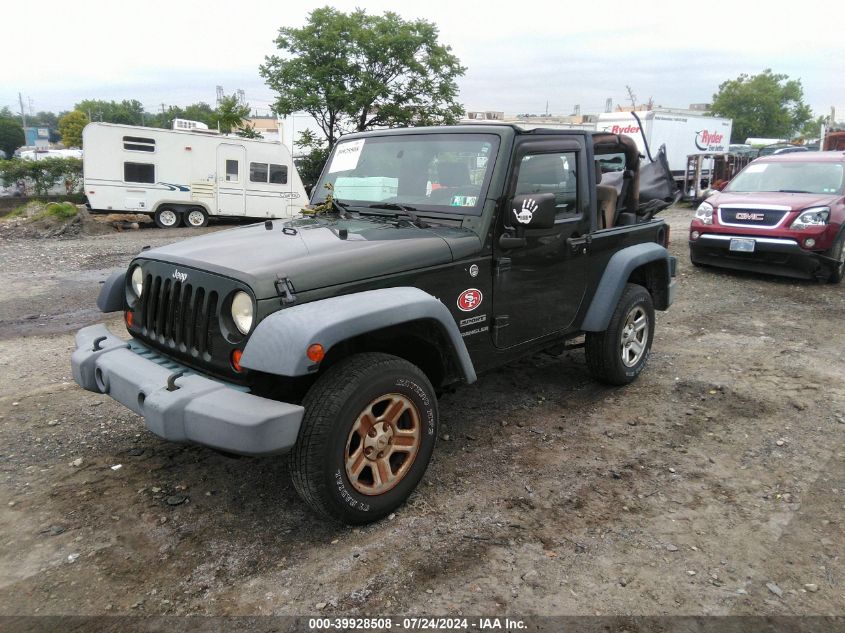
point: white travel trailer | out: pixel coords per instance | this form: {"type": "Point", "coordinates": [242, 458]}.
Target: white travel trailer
{"type": "Point", "coordinates": [187, 175]}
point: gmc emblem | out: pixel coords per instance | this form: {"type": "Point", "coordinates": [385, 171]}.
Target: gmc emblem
{"type": "Point", "coordinates": [756, 217]}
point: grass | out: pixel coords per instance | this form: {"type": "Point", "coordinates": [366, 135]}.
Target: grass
{"type": "Point", "coordinates": [59, 210]}
{"type": "Point", "coordinates": [38, 211]}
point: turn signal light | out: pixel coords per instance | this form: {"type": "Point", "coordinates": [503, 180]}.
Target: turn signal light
{"type": "Point", "coordinates": [129, 317]}
{"type": "Point", "coordinates": [316, 353]}
{"type": "Point", "coordinates": [236, 360]}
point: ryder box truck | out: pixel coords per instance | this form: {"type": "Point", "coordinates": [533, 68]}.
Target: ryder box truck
{"type": "Point", "coordinates": [683, 134]}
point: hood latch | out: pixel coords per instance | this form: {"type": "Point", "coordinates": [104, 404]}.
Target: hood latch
{"type": "Point", "coordinates": [284, 288]}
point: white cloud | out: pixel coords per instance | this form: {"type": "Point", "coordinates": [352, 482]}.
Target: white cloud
{"type": "Point", "coordinates": [519, 55]}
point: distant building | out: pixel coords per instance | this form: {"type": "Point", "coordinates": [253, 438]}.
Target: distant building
{"type": "Point", "coordinates": [531, 121]}
{"type": "Point", "coordinates": [37, 137]}
{"type": "Point", "coordinates": [267, 127]}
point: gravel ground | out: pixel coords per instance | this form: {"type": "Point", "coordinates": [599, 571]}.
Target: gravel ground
{"type": "Point", "coordinates": [715, 484]}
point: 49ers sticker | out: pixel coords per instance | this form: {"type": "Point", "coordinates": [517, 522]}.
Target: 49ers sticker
{"type": "Point", "coordinates": [469, 300]}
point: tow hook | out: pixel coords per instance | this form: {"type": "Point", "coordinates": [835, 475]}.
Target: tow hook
{"type": "Point", "coordinates": [171, 380]}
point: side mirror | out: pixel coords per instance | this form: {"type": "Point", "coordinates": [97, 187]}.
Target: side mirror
{"type": "Point", "coordinates": [531, 211]}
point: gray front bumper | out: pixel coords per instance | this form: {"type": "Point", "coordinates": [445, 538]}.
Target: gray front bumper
{"type": "Point", "coordinates": [197, 409]}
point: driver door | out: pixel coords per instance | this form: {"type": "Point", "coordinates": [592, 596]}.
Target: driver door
{"type": "Point", "coordinates": [538, 286]}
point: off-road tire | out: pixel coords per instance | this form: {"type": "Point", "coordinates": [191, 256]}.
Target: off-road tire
{"type": "Point", "coordinates": [163, 217]}
{"type": "Point", "coordinates": [317, 462]}
{"type": "Point", "coordinates": [195, 218]}
{"type": "Point", "coordinates": [604, 350]}
{"type": "Point", "coordinates": [837, 251]}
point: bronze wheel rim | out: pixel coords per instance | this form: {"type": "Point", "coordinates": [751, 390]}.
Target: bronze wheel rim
{"type": "Point", "coordinates": [382, 444]}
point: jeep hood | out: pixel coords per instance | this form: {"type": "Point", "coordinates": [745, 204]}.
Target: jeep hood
{"type": "Point", "coordinates": [318, 252]}
{"type": "Point", "coordinates": [796, 201]}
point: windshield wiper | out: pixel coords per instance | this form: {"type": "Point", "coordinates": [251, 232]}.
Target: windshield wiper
{"type": "Point", "coordinates": [793, 191]}
{"type": "Point", "coordinates": [407, 212]}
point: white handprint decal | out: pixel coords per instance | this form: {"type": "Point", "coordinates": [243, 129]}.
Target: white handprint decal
{"type": "Point", "coordinates": [528, 208]}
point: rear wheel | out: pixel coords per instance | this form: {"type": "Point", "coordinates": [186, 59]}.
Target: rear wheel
{"type": "Point", "coordinates": [618, 355]}
{"type": "Point", "coordinates": [166, 218]}
{"type": "Point", "coordinates": [196, 218]}
{"type": "Point", "coordinates": [837, 252]}
{"type": "Point", "coordinates": [366, 438]}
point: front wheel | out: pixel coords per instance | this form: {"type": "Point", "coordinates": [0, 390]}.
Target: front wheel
{"type": "Point", "coordinates": [366, 439]}
{"type": "Point", "coordinates": [166, 218]}
{"type": "Point", "coordinates": [618, 355]}
{"type": "Point", "coordinates": [837, 252]}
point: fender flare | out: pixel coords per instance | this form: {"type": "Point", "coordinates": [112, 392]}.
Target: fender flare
{"type": "Point", "coordinates": [279, 342]}
{"type": "Point", "coordinates": [613, 281]}
{"type": "Point", "coordinates": [112, 295]}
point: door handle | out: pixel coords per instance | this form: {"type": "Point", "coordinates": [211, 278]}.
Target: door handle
{"type": "Point", "coordinates": [577, 242]}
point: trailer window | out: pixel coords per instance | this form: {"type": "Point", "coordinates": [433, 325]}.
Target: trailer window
{"type": "Point", "coordinates": [232, 171]}
{"type": "Point", "coordinates": [258, 172]}
{"type": "Point", "coordinates": [139, 172]}
{"type": "Point", "coordinates": [278, 174]}
{"type": "Point", "coordinates": [268, 172]}
{"type": "Point", "coordinates": [139, 144]}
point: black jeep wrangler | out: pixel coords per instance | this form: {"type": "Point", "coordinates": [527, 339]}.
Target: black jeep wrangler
{"type": "Point", "coordinates": [430, 254]}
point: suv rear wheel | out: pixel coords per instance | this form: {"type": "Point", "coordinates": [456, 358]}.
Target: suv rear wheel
{"type": "Point", "coordinates": [366, 439]}
{"type": "Point", "coordinates": [618, 355]}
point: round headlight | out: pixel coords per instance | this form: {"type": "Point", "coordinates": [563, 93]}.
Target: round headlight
{"type": "Point", "coordinates": [137, 281]}
{"type": "Point", "coordinates": [242, 311]}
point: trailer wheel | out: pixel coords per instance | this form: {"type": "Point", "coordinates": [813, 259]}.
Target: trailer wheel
{"type": "Point", "coordinates": [166, 218]}
{"type": "Point", "coordinates": [196, 218]}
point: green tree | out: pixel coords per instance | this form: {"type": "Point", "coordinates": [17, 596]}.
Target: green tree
{"type": "Point", "coordinates": [11, 136]}
{"type": "Point", "coordinates": [310, 163]}
{"type": "Point", "coordinates": [767, 105]}
{"type": "Point", "coordinates": [128, 111]}
{"type": "Point", "coordinates": [71, 126]}
{"type": "Point", "coordinates": [231, 113]}
{"type": "Point", "coordinates": [248, 131]}
{"type": "Point", "coordinates": [357, 71]}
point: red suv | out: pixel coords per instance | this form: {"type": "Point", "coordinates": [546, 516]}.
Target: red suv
{"type": "Point", "coordinates": [782, 214]}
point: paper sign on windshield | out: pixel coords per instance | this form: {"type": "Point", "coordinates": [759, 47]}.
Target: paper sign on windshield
{"type": "Point", "coordinates": [346, 155]}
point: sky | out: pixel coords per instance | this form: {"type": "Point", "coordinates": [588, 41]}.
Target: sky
{"type": "Point", "coordinates": [519, 55]}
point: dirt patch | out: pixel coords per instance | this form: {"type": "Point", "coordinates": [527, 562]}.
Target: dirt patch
{"type": "Point", "coordinates": [720, 472]}
{"type": "Point", "coordinates": [37, 220]}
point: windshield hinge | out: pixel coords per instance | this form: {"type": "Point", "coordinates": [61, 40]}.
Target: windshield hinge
{"type": "Point", "coordinates": [284, 288]}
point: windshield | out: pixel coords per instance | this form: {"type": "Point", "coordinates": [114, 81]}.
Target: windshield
{"type": "Point", "coordinates": [790, 177]}
{"type": "Point", "coordinates": [426, 172]}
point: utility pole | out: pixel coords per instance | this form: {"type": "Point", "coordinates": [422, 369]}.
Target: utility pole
{"type": "Point", "coordinates": [23, 114]}
{"type": "Point", "coordinates": [632, 97]}
{"type": "Point", "coordinates": [608, 105]}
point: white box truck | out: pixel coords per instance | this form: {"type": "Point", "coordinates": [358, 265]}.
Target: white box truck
{"type": "Point", "coordinates": [683, 134]}
{"type": "Point", "coordinates": [186, 176]}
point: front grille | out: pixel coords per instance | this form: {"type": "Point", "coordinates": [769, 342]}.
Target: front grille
{"type": "Point", "coordinates": [751, 217]}
{"type": "Point", "coordinates": [178, 315]}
